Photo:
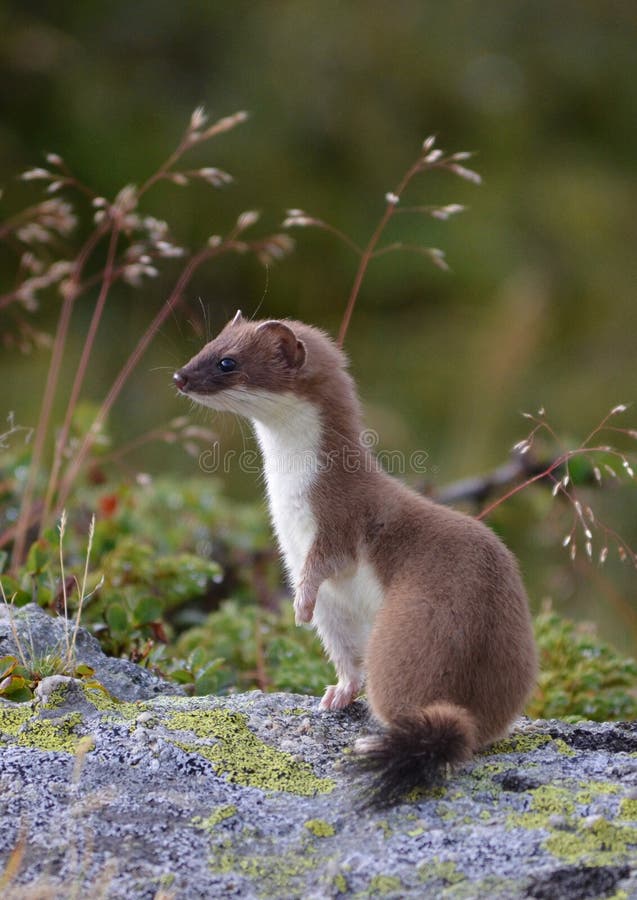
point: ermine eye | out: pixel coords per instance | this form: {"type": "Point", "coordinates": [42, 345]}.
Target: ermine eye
{"type": "Point", "coordinates": [226, 364]}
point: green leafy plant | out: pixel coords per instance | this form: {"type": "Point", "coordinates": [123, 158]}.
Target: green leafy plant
{"type": "Point", "coordinates": [581, 676]}
{"type": "Point", "coordinates": [20, 676]}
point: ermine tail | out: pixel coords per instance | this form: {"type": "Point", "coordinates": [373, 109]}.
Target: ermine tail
{"type": "Point", "coordinates": [415, 750]}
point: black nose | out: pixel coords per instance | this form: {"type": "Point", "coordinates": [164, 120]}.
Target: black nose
{"type": "Point", "coordinates": [180, 380]}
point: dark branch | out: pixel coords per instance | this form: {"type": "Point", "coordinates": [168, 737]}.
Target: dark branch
{"type": "Point", "coordinates": [480, 488]}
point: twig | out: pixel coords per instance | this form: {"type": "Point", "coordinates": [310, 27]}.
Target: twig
{"type": "Point", "coordinates": [174, 300]}
{"type": "Point", "coordinates": [478, 489]}
{"type": "Point", "coordinates": [80, 374]}
{"type": "Point", "coordinates": [53, 375]}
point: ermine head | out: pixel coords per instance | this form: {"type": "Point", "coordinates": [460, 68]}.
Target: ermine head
{"type": "Point", "coordinates": [249, 366]}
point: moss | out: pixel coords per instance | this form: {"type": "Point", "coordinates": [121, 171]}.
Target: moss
{"type": "Point", "coordinates": [41, 734]}
{"type": "Point", "coordinates": [52, 734]}
{"type": "Point", "coordinates": [273, 874]}
{"type": "Point", "coordinates": [628, 809]}
{"type": "Point", "coordinates": [563, 748]}
{"type": "Point", "coordinates": [220, 814]}
{"type": "Point", "coordinates": [415, 795]}
{"type": "Point", "coordinates": [436, 870]}
{"type": "Point", "coordinates": [600, 843]}
{"type": "Point", "coordinates": [320, 828]}
{"type": "Point", "coordinates": [57, 697]}
{"type": "Point", "coordinates": [12, 719]}
{"type": "Point", "coordinates": [340, 884]}
{"type": "Point", "coordinates": [591, 789]}
{"type": "Point", "coordinates": [447, 812]}
{"type": "Point", "coordinates": [384, 826]}
{"type": "Point", "coordinates": [492, 886]}
{"type": "Point", "coordinates": [546, 801]}
{"type": "Point", "coordinates": [519, 743]}
{"type": "Point", "coordinates": [492, 768]}
{"type": "Point", "coordinates": [385, 884]}
{"type": "Point", "coordinates": [239, 754]}
{"type": "Point", "coordinates": [99, 697]}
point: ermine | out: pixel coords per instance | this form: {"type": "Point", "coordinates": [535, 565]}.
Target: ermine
{"type": "Point", "coordinates": [419, 603]}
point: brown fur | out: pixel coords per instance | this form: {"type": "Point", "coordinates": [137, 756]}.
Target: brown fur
{"type": "Point", "coordinates": [454, 627]}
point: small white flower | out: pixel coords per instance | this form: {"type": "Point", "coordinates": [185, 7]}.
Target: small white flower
{"type": "Point", "coordinates": [467, 174]}
{"type": "Point", "coordinates": [248, 218]}
{"type": "Point", "coordinates": [215, 177]}
{"type": "Point", "coordinates": [391, 198]}
{"type": "Point", "coordinates": [35, 174]}
{"type": "Point", "coordinates": [198, 118]}
{"type": "Point", "coordinates": [299, 221]}
{"type": "Point", "coordinates": [428, 143]}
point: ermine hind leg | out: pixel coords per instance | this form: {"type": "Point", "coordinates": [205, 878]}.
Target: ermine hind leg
{"type": "Point", "coordinates": [340, 639]}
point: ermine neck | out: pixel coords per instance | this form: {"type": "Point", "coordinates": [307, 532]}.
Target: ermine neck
{"type": "Point", "coordinates": [290, 440]}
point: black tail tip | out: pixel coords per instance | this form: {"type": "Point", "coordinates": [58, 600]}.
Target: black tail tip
{"type": "Point", "coordinates": [413, 754]}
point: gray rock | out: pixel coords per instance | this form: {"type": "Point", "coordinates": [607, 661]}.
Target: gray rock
{"type": "Point", "coordinates": [41, 635]}
{"type": "Point", "coordinates": [178, 797]}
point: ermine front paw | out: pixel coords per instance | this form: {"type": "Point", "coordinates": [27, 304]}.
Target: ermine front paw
{"type": "Point", "coordinates": [340, 695]}
{"type": "Point", "coordinates": [303, 607]}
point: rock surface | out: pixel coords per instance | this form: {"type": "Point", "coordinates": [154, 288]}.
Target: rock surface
{"type": "Point", "coordinates": [41, 635]}
{"type": "Point", "coordinates": [253, 796]}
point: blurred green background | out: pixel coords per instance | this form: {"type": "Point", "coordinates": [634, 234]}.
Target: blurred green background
{"type": "Point", "coordinates": [539, 308]}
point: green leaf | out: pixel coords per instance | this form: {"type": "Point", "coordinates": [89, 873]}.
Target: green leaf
{"type": "Point", "coordinates": [39, 557]}
{"type": "Point", "coordinates": [83, 671]}
{"type": "Point", "coordinates": [148, 610]}
{"type": "Point", "coordinates": [182, 676]}
{"type": "Point", "coordinates": [18, 695]}
{"type": "Point", "coordinates": [7, 665]}
{"type": "Point", "coordinates": [23, 672]}
{"type": "Point", "coordinates": [117, 618]}
{"type": "Point", "coordinates": [16, 689]}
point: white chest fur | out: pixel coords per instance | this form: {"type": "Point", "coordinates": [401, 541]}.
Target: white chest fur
{"type": "Point", "coordinates": [290, 437]}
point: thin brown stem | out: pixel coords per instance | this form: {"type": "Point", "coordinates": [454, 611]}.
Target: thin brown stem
{"type": "Point", "coordinates": [185, 143]}
{"type": "Point", "coordinates": [560, 460]}
{"type": "Point", "coordinates": [175, 298]}
{"type": "Point", "coordinates": [42, 427]}
{"type": "Point", "coordinates": [368, 252]}
{"type": "Point", "coordinates": [60, 446]}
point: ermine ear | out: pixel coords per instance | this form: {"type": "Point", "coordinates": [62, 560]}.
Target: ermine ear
{"type": "Point", "coordinates": [238, 318]}
{"type": "Point", "coordinates": [292, 349]}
